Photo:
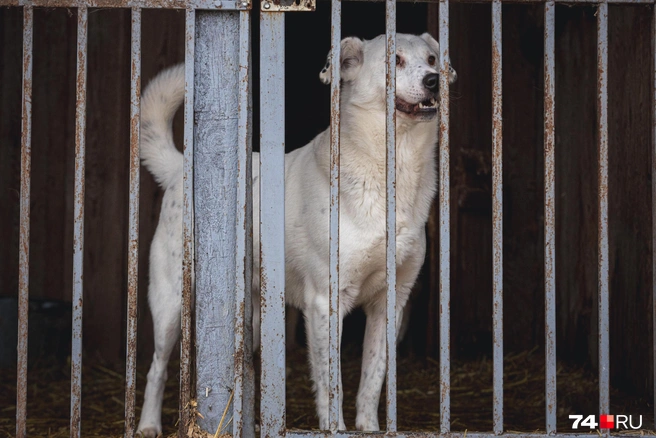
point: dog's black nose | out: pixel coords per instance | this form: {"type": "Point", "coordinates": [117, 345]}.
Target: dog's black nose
{"type": "Point", "coordinates": [431, 81]}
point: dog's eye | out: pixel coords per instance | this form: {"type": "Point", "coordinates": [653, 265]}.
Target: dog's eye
{"type": "Point", "coordinates": [431, 60]}
{"type": "Point", "coordinates": [399, 61]}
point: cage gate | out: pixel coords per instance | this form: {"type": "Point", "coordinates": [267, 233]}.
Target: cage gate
{"type": "Point", "coordinates": [229, 378]}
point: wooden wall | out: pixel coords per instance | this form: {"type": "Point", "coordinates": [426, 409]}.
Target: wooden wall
{"type": "Point", "coordinates": [106, 197]}
{"type": "Point", "coordinates": [630, 58]}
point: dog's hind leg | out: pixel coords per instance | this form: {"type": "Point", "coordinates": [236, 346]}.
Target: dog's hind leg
{"type": "Point", "coordinates": [316, 317]}
{"type": "Point", "coordinates": [165, 307]}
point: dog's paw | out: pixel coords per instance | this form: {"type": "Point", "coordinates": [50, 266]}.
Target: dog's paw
{"type": "Point", "coordinates": [366, 423]}
{"type": "Point", "coordinates": [149, 432]}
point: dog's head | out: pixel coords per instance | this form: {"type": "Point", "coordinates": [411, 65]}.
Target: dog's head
{"type": "Point", "coordinates": [363, 74]}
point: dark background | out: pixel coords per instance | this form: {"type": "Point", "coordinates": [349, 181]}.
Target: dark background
{"type": "Point", "coordinates": [307, 113]}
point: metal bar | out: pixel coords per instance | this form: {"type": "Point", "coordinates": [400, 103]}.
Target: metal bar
{"type": "Point", "coordinates": [497, 217]}
{"type": "Point", "coordinates": [602, 121]}
{"type": "Point", "coordinates": [187, 224]}
{"type": "Point", "coordinates": [550, 214]}
{"type": "Point", "coordinates": [334, 318]}
{"type": "Point", "coordinates": [133, 233]}
{"type": "Point", "coordinates": [78, 226]}
{"type": "Point", "coordinates": [243, 400]}
{"type": "Point", "coordinates": [225, 5]}
{"type": "Point", "coordinates": [390, 123]}
{"type": "Point", "coordinates": [445, 236]}
{"type": "Point", "coordinates": [357, 434]}
{"type": "Point", "coordinates": [272, 222]}
{"type": "Point", "coordinates": [24, 238]}
{"type": "Point", "coordinates": [653, 205]}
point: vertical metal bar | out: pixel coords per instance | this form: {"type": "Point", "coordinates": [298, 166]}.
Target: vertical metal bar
{"type": "Point", "coordinates": [550, 214]}
{"type": "Point", "coordinates": [24, 245]}
{"type": "Point", "coordinates": [78, 225]}
{"type": "Point", "coordinates": [133, 233]}
{"type": "Point", "coordinates": [602, 120]}
{"type": "Point", "coordinates": [445, 236]}
{"type": "Point", "coordinates": [334, 319]}
{"type": "Point", "coordinates": [243, 421]}
{"type": "Point", "coordinates": [272, 222]}
{"type": "Point", "coordinates": [497, 216]}
{"type": "Point", "coordinates": [653, 203]}
{"type": "Point", "coordinates": [390, 34]}
{"type": "Point", "coordinates": [187, 223]}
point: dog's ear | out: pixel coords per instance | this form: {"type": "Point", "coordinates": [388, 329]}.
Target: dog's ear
{"type": "Point", "coordinates": [352, 57]}
{"type": "Point", "coordinates": [435, 47]}
{"type": "Point", "coordinates": [432, 43]}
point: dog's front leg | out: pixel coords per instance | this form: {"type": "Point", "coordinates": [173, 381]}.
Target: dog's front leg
{"type": "Point", "coordinates": [316, 316]}
{"type": "Point", "coordinates": [373, 366]}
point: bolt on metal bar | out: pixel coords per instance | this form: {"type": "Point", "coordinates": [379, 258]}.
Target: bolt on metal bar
{"type": "Point", "coordinates": [602, 125]}
{"type": "Point", "coordinates": [445, 236]}
{"type": "Point", "coordinates": [187, 223]}
{"type": "Point", "coordinates": [497, 217]}
{"type": "Point", "coordinates": [390, 122]}
{"type": "Point", "coordinates": [653, 204]}
{"type": "Point", "coordinates": [243, 421]}
{"type": "Point", "coordinates": [133, 232]}
{"type": "Point", "coordinates": [334, 320]}
{"type": "Point", "coordinates": [24, 237]}
{"type": "Point", "coordinates": [550, 214]}
{"type": "Point", "coordinates": [78, 225]}
{"type": "Point", "coordinates": [272, 222]}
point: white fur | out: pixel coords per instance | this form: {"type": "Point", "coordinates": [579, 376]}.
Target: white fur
{"type": "Point", "coordinates": [362, 216]}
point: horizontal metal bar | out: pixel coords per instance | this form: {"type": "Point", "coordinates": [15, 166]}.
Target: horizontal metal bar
{"type": "Point", "coordinates": [146, 4]}
{"type": "Point", "coordinates": [355, 434]}
{"type": "Point", "coordinates": [228, 5]}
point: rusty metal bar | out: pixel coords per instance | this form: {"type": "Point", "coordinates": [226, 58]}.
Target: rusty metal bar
{"type": "Point", "coordinates": [243, 400]}
{"type": "Point", "coordinates": [497, 217]}
{"type": "Point", "coordinates": [390, 122]}
{"type": "Point", "coordinates": [653, 205]}
{"type": "Point", "coordinates": [466, 434]}
{"type": "Point", "coordinates": [602, 125]}
{"type": "Point", "coordinates": [24, 237]}
{"type": "Point", "coordinates": [187, 224]}
{"type": "Point", "coordinates": [334, 319]}
{"type": "Point", "coordinates": [445, 230]}
{"type": "Point", "coordinates": [133, 232]}
{"type": "Point", "coordinates": [225, 5]}
{"type": "Point", "coordinates": [78, 225]}
{"type": "Point", "coordinates": [550, 214]}
{"type": "Point", "coordinates": [272, 222]}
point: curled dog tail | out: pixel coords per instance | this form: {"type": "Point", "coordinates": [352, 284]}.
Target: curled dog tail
{"type": "Point", "coordinates": [159, 103]}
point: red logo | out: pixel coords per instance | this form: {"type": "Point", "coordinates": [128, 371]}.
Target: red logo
{"type": "Point", "coordinates": [607, 422]}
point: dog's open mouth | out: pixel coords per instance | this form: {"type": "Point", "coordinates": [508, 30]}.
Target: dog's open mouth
{"type": "Point", "coordinates": [428, 106]}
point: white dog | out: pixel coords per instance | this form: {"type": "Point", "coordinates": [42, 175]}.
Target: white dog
{"type": "Point", "coordinates": [307, 194]}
